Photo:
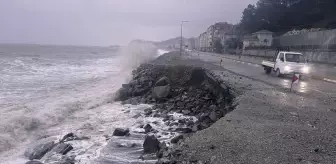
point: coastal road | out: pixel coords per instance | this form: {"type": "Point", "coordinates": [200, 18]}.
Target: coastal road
{"type": "Point", "coordinates": [256, 72]}
{"type": "Point", "coordinates": [270, 124]}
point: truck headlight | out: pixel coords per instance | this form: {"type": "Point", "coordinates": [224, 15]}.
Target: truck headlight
{"type": "Point", "coordinates": [305, 69]}
{"type": "Point", "coordinates": [287, 68]}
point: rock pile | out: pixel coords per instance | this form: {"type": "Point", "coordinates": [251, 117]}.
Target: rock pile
{"type": "Point", "coordinates": [187, 90]}
{"type": "Point", "coordinates": [183, 89]}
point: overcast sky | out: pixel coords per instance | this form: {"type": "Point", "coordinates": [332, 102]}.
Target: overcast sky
{"type": "Point", "coordinates": [107, 22]}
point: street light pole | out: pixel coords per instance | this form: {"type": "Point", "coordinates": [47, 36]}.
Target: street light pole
{"type": "Point", "coordinates": [182, 37]}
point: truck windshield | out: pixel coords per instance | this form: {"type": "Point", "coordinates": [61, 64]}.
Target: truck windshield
{"type": "Point", "coordinates": [298, 58]}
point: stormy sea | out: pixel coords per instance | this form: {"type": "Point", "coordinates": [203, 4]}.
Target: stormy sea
{"type": "Point", "coordinates": [49, 91]}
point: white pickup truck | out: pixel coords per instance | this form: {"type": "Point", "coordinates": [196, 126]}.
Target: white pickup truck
{"type": "Point", "coordinates": [287, 63]}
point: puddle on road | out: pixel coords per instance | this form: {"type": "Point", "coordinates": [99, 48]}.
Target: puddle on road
{"type": "Point", "coordinates": [303, 87]}
{"type": "Point", "coordinates": [286, 83]}
{"type": "Point", "coordinates": [300, 86]}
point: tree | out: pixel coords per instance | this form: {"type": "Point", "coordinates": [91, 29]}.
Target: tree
{"type": "Point", "coordinates": [233, 43]}
{"type": "Point", "coordinates": [218, 46]}
{"type": "Point", "coordinates": [248, 22]}
{"type": "Point", "coordinates": [284, 15]}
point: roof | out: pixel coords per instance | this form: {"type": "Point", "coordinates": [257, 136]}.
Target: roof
{"type": "Point", "coordinates": [250, 38]}
{"type": "Point", "coordinates": [222, 25]}
{"type": "Point", "coordinates": [289, 52]}
{"type": "Point", "coordinates": [264, 32]}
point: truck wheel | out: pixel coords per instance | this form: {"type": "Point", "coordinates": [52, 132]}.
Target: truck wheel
{"type": "Point", "coordinates": [277, 72]}
{"type": "Point", "coordinates": [268, 70]}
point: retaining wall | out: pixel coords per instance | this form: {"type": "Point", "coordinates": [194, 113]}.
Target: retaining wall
{"type": "Point", "coordinates": [325, 39]}
{"type": "Point", "coordinates": [328, 57]}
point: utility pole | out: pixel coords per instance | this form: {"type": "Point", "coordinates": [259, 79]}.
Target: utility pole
{"type": "Point", "coordinates": [182, 37]}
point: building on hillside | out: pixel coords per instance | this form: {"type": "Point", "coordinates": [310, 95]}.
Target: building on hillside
{"type": "Point", "coordinates": [209, 37]}
{"type": "Point", "coordinates": [218, 31]}
{"type": "Point", "coordinates": [265, 37]}
{"type": "Point", "coordinates": [250, 41]}
{"type": "Point", "coordinates": [203, 41]}
{"type": "Point", "coordinates": [224, 31]}
{"type": "Point", "coordinates": [191, 43]}
{"type": "Point", "coordinates": [227, 36]}
{"type": "Point", "coordinates": [197, 43]}
{"type": "Point", "coordinates": [260, 38]}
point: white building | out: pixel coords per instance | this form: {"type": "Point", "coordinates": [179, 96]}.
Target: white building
{"type": "Point", "coordinates": [197, 43]}
{"type": "Point", "coordinates": [265, 37]}
{"type": "Point", "coordinates": [227, 35]}
{"type": "Point", "coordinates": [191, 43]}
{"type": "Point", "coordinates": [260, 38]}
{"type": "Point", "coordinates": [224, 31]}
{"type": "Point", "coordinates": [219, 31]}
{"type": "Point", "coordinates": [203, 40]}
{"type": "Point", "coordinates": [209, 37]}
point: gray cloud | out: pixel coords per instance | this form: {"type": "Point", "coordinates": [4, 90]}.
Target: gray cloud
{"type": "Point", "coordinates": [105, 22]}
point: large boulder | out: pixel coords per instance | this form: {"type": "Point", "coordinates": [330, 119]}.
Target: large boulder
{"type": "Point", "coordinates": [186, 112]}
{"type": "Point", "coordinates": [126, 86]}
{"type": "Point", "coordinates": [148, 128]}
{"type": "Point", "coordinates": [62, 148]}
{"type": "Point", "coordinates": [39, 151]}
{"type": "Point", "coordinates": [151, 144]}
{"type": "Point", "coordinates": [70, 137]}
{"type": "Point", "coordinates": [184, 130]}
{"type": "Point", "coordinates": [160, 92]}
{"type": "Point", "coordinates": [176, 139]}
{"type": "Point", "coordinates": [34, 162]}
{"type": "Point", "coordinates": [163, 81]}
{"type": "Point", "coordinates": [148, 111]}
{"type": "Point", "coordinates": [121, 132]}
{"type": "Point", "coordinates": [140, 91]}
{"type": "Point", "coordinates": [213, 116]}
{"type": "Point", "coordinates": [121, 94]}
{"type": "Point", "coordinates": [195, 127]}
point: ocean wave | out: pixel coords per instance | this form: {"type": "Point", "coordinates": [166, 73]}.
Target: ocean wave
{"type": "Point", "coordinates": [65, 89]}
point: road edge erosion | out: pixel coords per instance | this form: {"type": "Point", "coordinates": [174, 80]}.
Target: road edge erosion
{"type": "Point", "coordinates": [174, 88]}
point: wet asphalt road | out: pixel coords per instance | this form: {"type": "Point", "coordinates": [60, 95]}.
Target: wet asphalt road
{"type": "Point", "coordinates": [307, 86]}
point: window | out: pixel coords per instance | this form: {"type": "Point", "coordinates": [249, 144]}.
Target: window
{"type": "Point", "coordinates": [298, 58]}
{"type": "Point", "coordinates": [281, 55]}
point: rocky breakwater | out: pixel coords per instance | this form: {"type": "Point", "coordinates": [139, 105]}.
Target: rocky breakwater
{"type": "Point", "coordinates": [190, 91]}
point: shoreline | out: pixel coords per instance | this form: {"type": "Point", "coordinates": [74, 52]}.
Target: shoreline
{"type": "Point", "coordinates": [258, 127]}
{"type": "Point", "coordinates": [127, 138]}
